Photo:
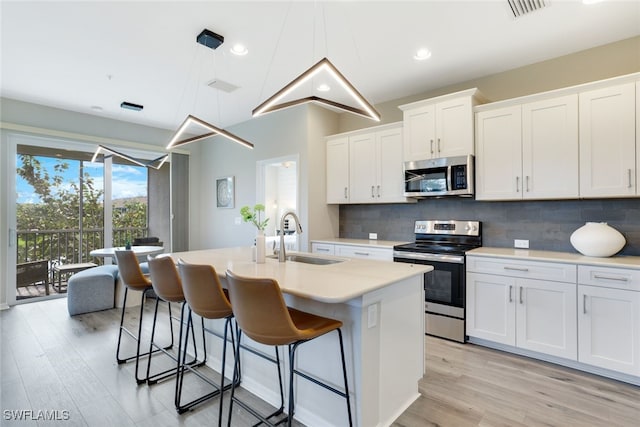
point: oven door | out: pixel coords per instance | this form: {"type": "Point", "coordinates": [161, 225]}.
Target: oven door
{"type": "Point", "coordinates": [445, 284]}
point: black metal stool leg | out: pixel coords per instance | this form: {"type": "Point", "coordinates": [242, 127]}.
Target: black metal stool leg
{"type": "Point", "coordinates": [124, 306]}
{"type": "Point", "coordinates": [344, 374]}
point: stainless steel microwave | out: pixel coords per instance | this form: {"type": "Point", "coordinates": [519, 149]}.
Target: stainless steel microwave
{"type": "Point", "coordinates": [446, 176]}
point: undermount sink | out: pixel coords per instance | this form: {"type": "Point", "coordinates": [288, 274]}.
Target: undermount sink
{"type": "Point", "coordinates": [308, 259]}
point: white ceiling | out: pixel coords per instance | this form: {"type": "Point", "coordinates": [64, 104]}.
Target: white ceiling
{"type": "Point", "coordinates": [84, 54]}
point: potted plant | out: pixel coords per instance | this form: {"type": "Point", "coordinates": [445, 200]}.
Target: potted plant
{"type": "Point", "coordinates": [253, 216]}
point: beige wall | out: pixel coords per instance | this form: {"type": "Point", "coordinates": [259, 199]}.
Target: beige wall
{"type": "Point", "coordinates": [611, 60]}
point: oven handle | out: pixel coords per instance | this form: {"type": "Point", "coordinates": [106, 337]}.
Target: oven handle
{"type": "Point", "coordinates": [400, 256]}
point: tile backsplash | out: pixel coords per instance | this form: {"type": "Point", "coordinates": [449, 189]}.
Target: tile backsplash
{"type": "Point", "coordinates": [546, 224]}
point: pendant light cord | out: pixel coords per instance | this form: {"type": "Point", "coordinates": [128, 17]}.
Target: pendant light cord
{"type": "Point", "coordinates": [273, 55]}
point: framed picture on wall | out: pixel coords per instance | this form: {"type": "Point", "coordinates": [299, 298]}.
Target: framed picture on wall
{"type": "Point", "coordinates": [225, 192]}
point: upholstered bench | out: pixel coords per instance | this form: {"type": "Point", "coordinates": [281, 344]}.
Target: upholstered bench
{"type": "Point", "coordinates": [92, 289]}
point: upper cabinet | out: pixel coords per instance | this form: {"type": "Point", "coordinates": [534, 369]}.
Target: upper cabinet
{"type": "Point", "coordinates": [366, 166]}
{"type": "Point", "coordinates": [576, 142]}
{"type": "Point", "coordinates": [528, 151]}
{"type": "Point", "coordinates": [338, 170]}
{"type": "Point", "coordinates": [440, 127]}
{"type": "Point", "coordinates": [608, 142]}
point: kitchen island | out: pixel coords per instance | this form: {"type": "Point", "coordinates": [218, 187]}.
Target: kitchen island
{"type": "Point", "coordinates": [382, 307]}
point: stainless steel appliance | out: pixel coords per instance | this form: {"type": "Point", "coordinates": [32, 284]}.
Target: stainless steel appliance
{"type": "Point", "coordinates": [446, 176]}
{"type": "Point", "coordinates": [442, 244]}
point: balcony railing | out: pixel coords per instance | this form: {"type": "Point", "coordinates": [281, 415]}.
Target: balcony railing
{"type": "Point", "coordinates": [63, 246]}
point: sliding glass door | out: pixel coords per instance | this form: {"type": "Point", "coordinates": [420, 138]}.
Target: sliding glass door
{"type": "Point", "coordinates": [66, 206]}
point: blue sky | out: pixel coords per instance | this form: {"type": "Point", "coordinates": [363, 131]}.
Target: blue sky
{"type": "Point", "coordinates": [128, 181]}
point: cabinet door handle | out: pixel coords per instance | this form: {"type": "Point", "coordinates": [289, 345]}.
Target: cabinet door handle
{"type": "Point", "coordinates": [527, 183]}
{"type": "Point", "coordinates": [629, 174]}
{"type": "Point", "coordinates": [517, 184]}
{"type": "Point", "coordinates": [516, 268]}
{"type": "Point", "coordinates": [372, 195]}
{"type": "Point", "coordinates": [617, 279]}
{"type": "Point", "coordinates": [431, 145]}
{"type": "Point", "coordinates": [378, 191]}
{"type": "Point", "coordinates": [510, 293]}
{"type": "Point", "coordinates": [345, 192]}
{"type": "Point", "coordinates": [584, 304]}
{"type": "Point", "coordinates": [362, 253]}
{"type": "Point", "coordinates": [521, 302]}
{"type": "Point", "coordinates": [438, 145]}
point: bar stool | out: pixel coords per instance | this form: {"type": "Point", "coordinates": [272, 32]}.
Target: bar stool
{"type": "Point", "coordinates": [260, 311]}
{"type": "Point", "coordinates": [168, 287]}
{"type": "Point", "coordinates": [205, 296]}
{"type": "Point", "coordinates": [134, 280]}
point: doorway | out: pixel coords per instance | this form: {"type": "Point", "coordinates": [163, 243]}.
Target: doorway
{"type": "Point", "coordinates": [278, 190]}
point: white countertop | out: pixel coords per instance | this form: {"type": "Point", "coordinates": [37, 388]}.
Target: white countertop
{"type": "Point", "coordinates": [551, 256]}
{"type": "Point", "coordinates": [387, 244]}
{"type": "Point", "coordinates": [332, 283]}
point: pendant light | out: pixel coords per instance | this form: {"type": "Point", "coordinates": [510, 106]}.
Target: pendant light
{"type": "Point", "coordinates": [193, 125]}
{"type": "Point", "coordinates": [273, 103]}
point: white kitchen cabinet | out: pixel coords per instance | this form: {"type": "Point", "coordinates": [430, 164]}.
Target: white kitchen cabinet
{"type": "Point", "coordinates": [609, 318]}
{"type": "Point", "coordinates": [637, 135]}
{"type": "Point", "coordinates": [373, 164]}
{"type": "Point", "coordinates": [362, 167]}
{"type": "Point", "coordinates": [499, 154]}
{"type": "Point", "coordinates": [528, 151]}
{"type": "Point", "coordinates": [353, 251]}
{"type": "Point", "coordinates": [338, 170]}
{"type": "Point", "coordinates": [364, 252]}
{"type": "Point", "coordinates": [440, 127]}
{"type": "Point", "coordinates": [550, 148]}
{"type": "Point", "coordinates": [523, 305]}
{"type": "Point", "coordinates": [322, 248]}
{"type": "Point", "coordinates": [608, 142]}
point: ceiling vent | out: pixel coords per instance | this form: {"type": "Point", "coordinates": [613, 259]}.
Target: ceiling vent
{"type": "Point", "coordinates": [524, 7]}
{"type": "Point", "coordinates": [222, 85]}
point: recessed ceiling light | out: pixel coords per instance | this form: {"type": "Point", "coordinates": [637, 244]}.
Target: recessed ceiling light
{"type": "Point", "coordinates": [239, 49]}
{"type": "Point", "coordinates": [422, 54]}
{"type": "Point", "coordinates": [324, 87]}
{"type": "Point", "coordinates": [96, 108]}
{"type": "Point", "coordinates": [591, 1]}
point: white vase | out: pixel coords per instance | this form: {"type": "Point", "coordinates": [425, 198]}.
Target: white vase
{"type": "Point", "coordinates": [597, 239]}
{"type": "Point", "coordinates": [260, 247]}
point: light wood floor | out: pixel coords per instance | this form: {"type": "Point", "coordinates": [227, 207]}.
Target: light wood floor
{"type": "Point", "coordinates": [50, 361]}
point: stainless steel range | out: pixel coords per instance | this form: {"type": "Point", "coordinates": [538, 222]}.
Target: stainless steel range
{"type": "Point", "coordinates": [442, 244]}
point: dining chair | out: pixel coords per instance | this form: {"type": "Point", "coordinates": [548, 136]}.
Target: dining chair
{"type": "Point", "coordinates": [262, 314]}
{"type": "Point", "coordinates": [134, 280]}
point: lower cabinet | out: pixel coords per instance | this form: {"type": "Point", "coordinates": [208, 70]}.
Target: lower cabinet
{"type": "Point", "coordinates": [353, 251]}
{"type": "Point", "coordinates": [589, 314]}
{"type": "Point", "coordinates": [530, 314]}
{"type": "Point", "coordinates": [609, 318]}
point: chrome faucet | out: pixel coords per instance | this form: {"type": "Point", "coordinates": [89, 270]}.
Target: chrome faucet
{"type": "Point", "coordinates": [282, 256]}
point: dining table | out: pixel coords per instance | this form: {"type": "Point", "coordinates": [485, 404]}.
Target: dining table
{"type": "Point", "coordinates": [139, 251]}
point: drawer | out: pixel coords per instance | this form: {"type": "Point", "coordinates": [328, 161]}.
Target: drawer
{"type": "Point", "coordinates": [364, 252]}
{"type": "Point", "coordinates": [323, 248]}
{"type": "Point", "coordinates": [552, 271]}
{"type": "Point", "coordinates": [608, 277]}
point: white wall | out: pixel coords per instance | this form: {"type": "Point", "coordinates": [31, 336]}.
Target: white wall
{"type": "Point", "coordinates": [296, 131]}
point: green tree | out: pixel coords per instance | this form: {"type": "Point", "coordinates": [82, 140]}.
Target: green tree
{"type": "Point", "coordinates": [58, 208]}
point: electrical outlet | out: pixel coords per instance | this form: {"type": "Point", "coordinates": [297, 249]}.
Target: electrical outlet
{"type": "Point", "coordinates": [238, 220]}
{"type": "Point", "coordinates": [523, 244]}
{"type": "Point", "coordinates": [373, 236]}
{"type": "Point", "coordinates": [372, 316]}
